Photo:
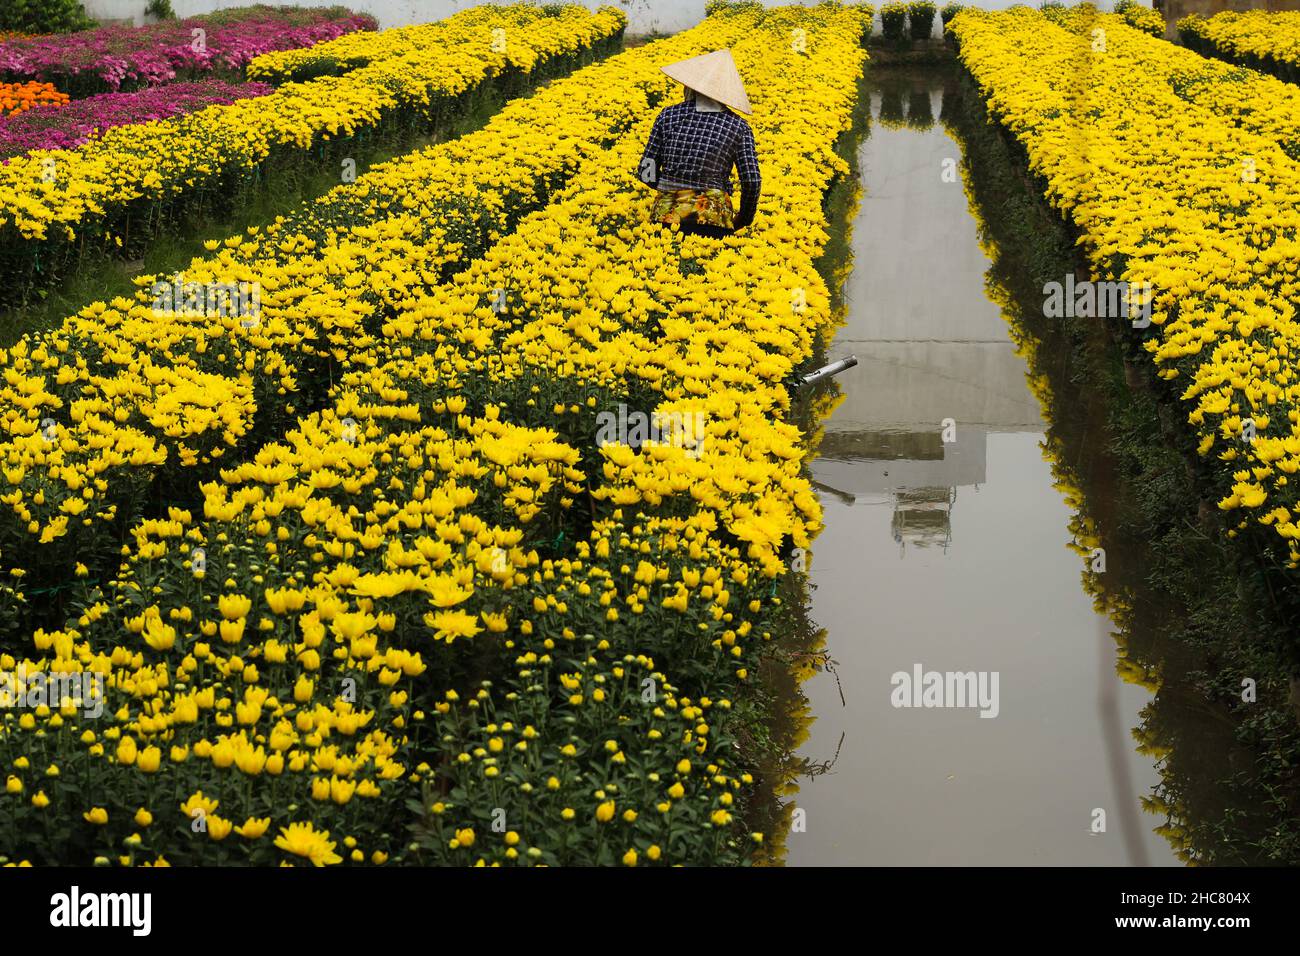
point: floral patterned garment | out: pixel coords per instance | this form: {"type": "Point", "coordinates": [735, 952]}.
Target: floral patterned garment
{"type": "Point", "coordinates": [701, 207]}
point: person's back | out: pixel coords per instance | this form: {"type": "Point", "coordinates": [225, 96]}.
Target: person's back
{"type": "Point", "coordinates": [695, 144]}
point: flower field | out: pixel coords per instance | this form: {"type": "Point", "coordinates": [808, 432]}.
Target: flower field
{"type": "Point", "coordinates": [1212, 228]}
{"type": "Point", "coordinates": [77, 121]}
{"type": "Point", "coordinates": [109, 59]}
{"type": "Point", "coordinates": [387, 481]}
{"type": "Point", "coordinates": [128, 184]}
{"type": "Point", "coordinates": [365, 584]}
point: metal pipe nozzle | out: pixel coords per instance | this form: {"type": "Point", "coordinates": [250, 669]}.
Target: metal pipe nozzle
{"type": "Point", "coordinates": [812, 378]}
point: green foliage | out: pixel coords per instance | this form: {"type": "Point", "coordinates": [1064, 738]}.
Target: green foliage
{"type": "Point", "coordinates": [893, 21]}
{"type": "Point", "coordinates": [949, 11]}
{"type": "Point", "coordinates": [713, 8]}
{"type": "Point", "coordinates": [920, 14]}
{"type": "Point", "coordinates": [160, 9]}
{"type": "Point", "coordinates": [44, 16]}
{"type": "Point", "coordinates": [292, 15]}
{"type": "Point", "coordinates": [1191, 32]}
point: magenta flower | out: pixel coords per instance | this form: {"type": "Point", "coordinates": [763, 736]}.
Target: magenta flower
{"type": "Point", "coordinates": [114, 58]}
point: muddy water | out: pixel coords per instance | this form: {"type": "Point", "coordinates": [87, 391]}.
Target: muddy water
{"type": "Point", "coordinates": [946, 549]}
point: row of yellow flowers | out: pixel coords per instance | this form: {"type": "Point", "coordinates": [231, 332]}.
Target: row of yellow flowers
{"type": "Point", "coordinates": [1140, 17]}
{"type": "Point", "coordinates": [126, 184]}
{"type": "Point", "coordinates": [362, 48]}
{"type": "Point", "coordinates": [1169, 193]}
{"type": "Point", "coordinates": [417, 628]}
{"type": "Point", "coordinates": [1251, 100]}
{"type": "Point", "coordinates": [1256, 37]}
{"type": "Point", "coordinates": [125, 396]}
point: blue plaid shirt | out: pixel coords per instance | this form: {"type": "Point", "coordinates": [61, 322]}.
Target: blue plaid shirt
{"type": "Point", "coordinates": [693, 150]}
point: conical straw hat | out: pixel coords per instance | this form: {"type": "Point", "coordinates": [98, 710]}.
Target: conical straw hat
{"type": "Point", "coordinates": [715, 75]}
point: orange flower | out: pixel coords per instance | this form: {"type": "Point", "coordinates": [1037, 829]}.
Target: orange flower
{"type": "Point", "coordinates": [20, 97]}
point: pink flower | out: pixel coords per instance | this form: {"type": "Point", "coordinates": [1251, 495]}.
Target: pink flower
{"type": "Point", "coordinates": [110, 58]}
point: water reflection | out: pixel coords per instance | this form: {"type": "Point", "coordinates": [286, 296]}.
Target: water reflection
{"type": "Point", "coordinates": [929, 352]}
{"type": "Point", "coordinates": [934, 455]}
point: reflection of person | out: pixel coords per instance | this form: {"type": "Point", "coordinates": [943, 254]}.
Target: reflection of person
{"type": "Point", "coordinates": [694, 145]}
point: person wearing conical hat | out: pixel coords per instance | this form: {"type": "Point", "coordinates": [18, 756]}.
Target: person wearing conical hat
{"type": "Point", "coordinates": [695, 144]}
